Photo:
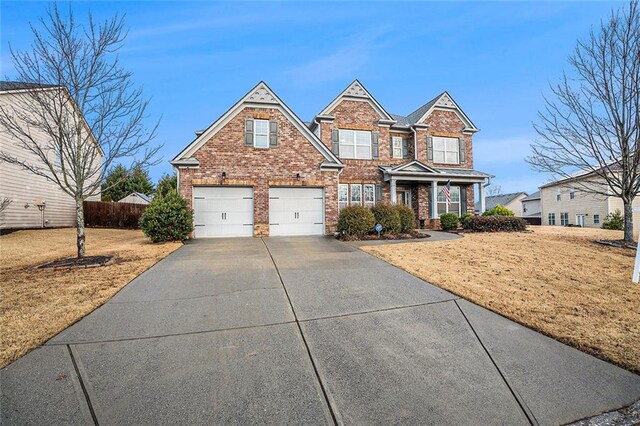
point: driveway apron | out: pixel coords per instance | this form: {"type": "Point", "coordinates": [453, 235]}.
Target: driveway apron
{"type": "Point", "coordinates": [304, 330]}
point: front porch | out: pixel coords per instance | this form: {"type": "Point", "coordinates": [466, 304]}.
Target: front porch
{"type": "Point", "coordinates": [420, 187]}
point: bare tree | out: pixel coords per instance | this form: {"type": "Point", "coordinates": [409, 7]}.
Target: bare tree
{"type": "Point", "coordinates": [4, 203]}
{"type": "Point", "coordinates": [494, 190]}
{"type": "Point", "coordinates": [591, 127]}
{"type": "Point", "coordinates": [79, 112]}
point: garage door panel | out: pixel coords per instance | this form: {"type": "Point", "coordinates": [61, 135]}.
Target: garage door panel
{"type": "Point", "coordinates": [296, 211]}
{"type": "Point", "coordinates": [223, 211]}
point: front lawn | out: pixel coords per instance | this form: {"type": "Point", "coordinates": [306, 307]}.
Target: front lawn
{"type": "Point", "coordinates": [555, 280]}
{"type": "Point", "coordinates": [37, 304]}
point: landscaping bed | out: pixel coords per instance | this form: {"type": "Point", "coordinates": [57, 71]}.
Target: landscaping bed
{"type": "Point", "coordinates": [37, 303]}
{"type": "Point", "coordinates": [556, 280]}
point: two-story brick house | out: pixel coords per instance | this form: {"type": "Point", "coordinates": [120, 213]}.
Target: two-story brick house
{"type": "Point", "coordinates": [259, 170]}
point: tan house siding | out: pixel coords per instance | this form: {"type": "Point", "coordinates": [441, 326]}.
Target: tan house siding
{"type": "Point", "coordinates": [515, 205]}
{"type": "Point", "coordinates": [616, 203]}
{"type": "Point", "coordinates": [26, 189]}
{"type": "Point", "coordinates": [582, 204]}
{"type": "Point", "coordinates": [532, 207]}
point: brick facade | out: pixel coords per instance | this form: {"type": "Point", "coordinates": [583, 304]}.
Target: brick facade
{"type": "Point", "coordinates": [261, 168]}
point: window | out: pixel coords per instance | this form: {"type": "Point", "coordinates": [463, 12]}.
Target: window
{"type": "Point", "coordinates": [356, 194]}
{"type": "Point", "coordinates": [446, 150]}
{"type": "Point", "coordinates": [355, 144]}
{"type": "Point", "coordinates": [564, 219]}
{"type": "Point", "coordinates": [261, 133]}
{"type": "Point", "coordinates": [558, 196]}
{"type": "Point", "coordinates": [596, 219]}
{"type": "Point", "coordinates": [454, 207]}
{"type": "Point", "coordinates": [572, 194]}
{"type": "Point", "coordinates": [369, 195]}
{"type": "Point", "coordinates": [397, 147]}
{"type": "Point", "coordinates": [552, 218]}
{"type": "Point", "coordinates": [343, 196]}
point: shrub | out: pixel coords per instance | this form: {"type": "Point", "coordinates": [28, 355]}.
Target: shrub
{"type": "Point", "coordinates": [449, 221]}
{"type": "Point", "coordinates": [498, 211]}
{"type": "Point", "coordinates": [614, 221]}
{"type": "Point", "coordinates": [496, 224]}
{"type": "Point", "coordinates": [407, 217]}
{"type": "Point", "coordinates": [387, 216]}
{"type": "Point", "coordinates": [355, 221]}
{"type": "Point", "coordinates": [464, 218]}
{"type": "Point", "coordinates": [167, 218]}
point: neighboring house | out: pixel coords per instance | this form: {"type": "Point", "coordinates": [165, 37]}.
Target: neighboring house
{"type": "Point", "coordinates": [137, 198]}
{"type": "Point", "coordinates": [259, 170]}
{"type": "Point", "coordinates": [511, 201]}
{"type": "Point", "coordinates": [564, 203]}
{"type": "Point", "coordinates": [36, 201]}
{"type": "Point", "coordinates": [532, 208]}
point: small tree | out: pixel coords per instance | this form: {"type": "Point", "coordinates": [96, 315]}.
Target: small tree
{"type": "Point", "coordinates": [78, 111]}
{"type": "Point", "coordinates": [614, 221]}
{"type": "Point", "coordinates": [167, 183]}
{"type": "Point", "coordinates": [592, 123]}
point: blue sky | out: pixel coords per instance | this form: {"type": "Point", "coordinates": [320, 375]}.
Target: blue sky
{"type": "Point", "coordinates": [195, 59]}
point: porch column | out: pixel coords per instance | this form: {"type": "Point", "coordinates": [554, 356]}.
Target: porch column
{"type": "Point", "coordinates": [434, 199]}
{"type": "Point", "coordinates": [481, 197]}
{"type": "Point", "coordinates": [393, 190]}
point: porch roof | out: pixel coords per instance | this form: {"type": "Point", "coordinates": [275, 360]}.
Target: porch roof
{"type": "Point", "coordinates": [417, 171]}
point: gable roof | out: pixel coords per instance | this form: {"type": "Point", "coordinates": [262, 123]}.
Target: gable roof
{"type": "Point", "coordinates": [534, 196]}
{"type": "Point", "coordinates": [502, 199]}
{"type": "Point", "coordinates": [145, 197]}
{"type": "Point", "coordinates": [357, 91]}
{"type": "Point", "coordinates": [261, 95]}
{"type": "Point", "coordinates": [413, 166]}
{"type": "Point", "coordinates": [442, 102]}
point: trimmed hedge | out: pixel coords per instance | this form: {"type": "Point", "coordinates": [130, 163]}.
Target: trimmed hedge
{"type": "Point", "coordinates": [407, 217]}
{"type": "Point", "coordinates": [448, 221]}
{"type": "Point", "coordinates": [495, 224]}
{"type": "Point", "coordinates": [356, 221]}
{"type": "Point", "coordinates": [463, 219]}
{"type": "Point", "coordinates": [167, 218]}
{"type": "Point", "coordinates": [387, 216]}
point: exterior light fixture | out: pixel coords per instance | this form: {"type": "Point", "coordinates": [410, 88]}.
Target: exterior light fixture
{"type": "Point", "coordinates": [297, 176]}
{"type": "Point", "coordinates": [224, 175]}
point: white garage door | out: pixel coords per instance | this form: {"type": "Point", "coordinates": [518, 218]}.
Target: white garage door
{"type": "Point", "coordinates": [296, 211]}
{"type": "Point", "coordinates": [222, 211]}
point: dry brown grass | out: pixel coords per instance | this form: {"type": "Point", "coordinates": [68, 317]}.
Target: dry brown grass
{"type": "Point", "coordinates": [555, 280]}
{"type": "Point", "coordinates": [37, 304]}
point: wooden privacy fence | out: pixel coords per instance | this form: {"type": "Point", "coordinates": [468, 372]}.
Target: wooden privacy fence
{"type": "Point", "coordinates": [100, 214]}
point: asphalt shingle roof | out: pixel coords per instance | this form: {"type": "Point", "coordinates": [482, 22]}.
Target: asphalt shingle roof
{"type": "Point", "coordinates": [534, 196]}
{"type": "Point", "coordinates": [502, 199]}
{"type": "Point", "coordinates": [19, 85]}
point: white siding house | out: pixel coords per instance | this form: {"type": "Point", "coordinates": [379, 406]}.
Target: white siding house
{"type": "Point", "coordinates": [35, 201]}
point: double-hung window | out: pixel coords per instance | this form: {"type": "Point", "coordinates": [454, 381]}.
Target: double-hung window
{"type": "Point", "coordinates": [552, 218]}
{"type": "Point", "coordinates": [396, 142]}
{"type": "Point", "coordinates": [369, 195]}
{"type": "Point", "coordinates": [355, 144]}
{"type": "Point", "coordinates": [558, 195]}
{"type": "Point", "coordinates": [564, 219]}
{"type": "Point", "coordinates": [261, 133]}
{"type": "Point", "coordinates": [343, 196]}
{"type": "Point", "coordinates": [572, 194]}
{"type": "Point", "coordinates": [596, 219]}
{"type": "Point", "coordinates": [454, 207]}
{"type": "Point", "coordinates": [446, 150]}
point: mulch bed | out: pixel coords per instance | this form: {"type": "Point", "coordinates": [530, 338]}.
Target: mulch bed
{"type": "Point", "coordinates": [618, 244]}
{"type": "Point", "coordinates": [77, 262]}
{"type": "Point", "coordinates": [373, 237]}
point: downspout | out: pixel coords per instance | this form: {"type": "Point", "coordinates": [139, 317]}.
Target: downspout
{"type": "Point", "coordinates": [415, 143]}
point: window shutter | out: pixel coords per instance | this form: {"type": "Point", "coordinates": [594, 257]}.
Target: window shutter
{"type": "Point", "coordinates": [430, 148]}
{"type": "Point", "coordinates": [405, 148]}
{"type": "Point", "coordinates": [335, 143]}
{"type": "Point", "coordinates": [273, 133]}
{"type": "Point", "coordinates": [375, 151]}
{"type": "Point", "coordinates": [463, 152]}
{"type": "Point", "coordinates": [248, 132]}
{"type": "Point", "coordinates": [391, 147]}
{"type": "Point", "coordinates": [463, 199]}
{"type": "Point", "coordinates": [378, 194]}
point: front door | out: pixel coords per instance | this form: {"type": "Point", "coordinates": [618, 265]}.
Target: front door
{"type": "Point", "coordinates": [580, 220]}
{"type": "Point", "coordinates": [403, 196]}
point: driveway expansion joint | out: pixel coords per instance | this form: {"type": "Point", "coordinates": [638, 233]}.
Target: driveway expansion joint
{"type": "Point", "coordinates": [304, 340]}
{"type": "Point", "coordinates": [204, 296]}
{"type": "Point", "coordinates": [160, 336]}
{"type": "Point", "coordinates": [82, 386]}
{"type": "Point", "coordinates": [523, 406]}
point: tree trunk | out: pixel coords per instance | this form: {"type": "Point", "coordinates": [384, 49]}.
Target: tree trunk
{"type": "Point", "coordinates": [628, 222]}
{"type": "Point", "coordinates": [80, 226]}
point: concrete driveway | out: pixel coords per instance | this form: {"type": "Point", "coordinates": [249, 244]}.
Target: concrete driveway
{"type": "Point", "coordinates": [301, 331]}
